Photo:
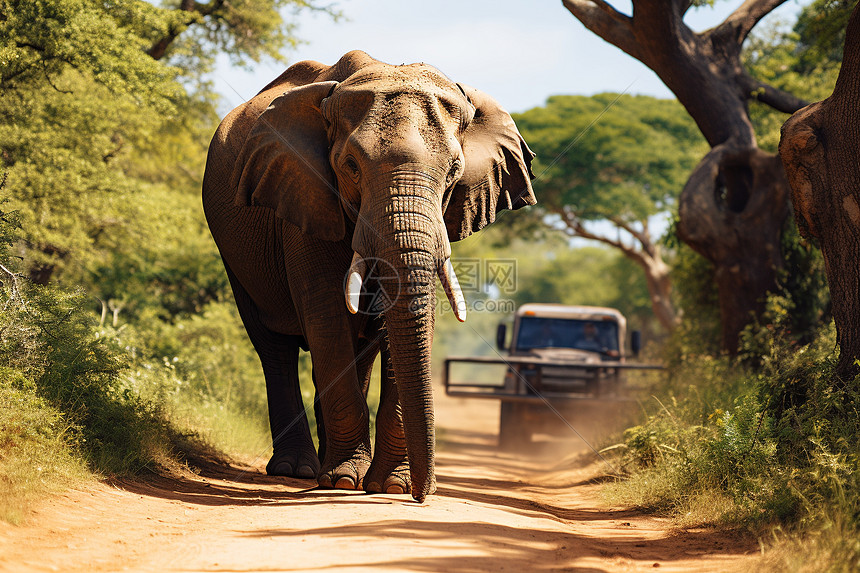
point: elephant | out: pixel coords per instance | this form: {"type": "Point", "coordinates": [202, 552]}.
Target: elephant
{"type": "Point", "coordinates": [335, 188]}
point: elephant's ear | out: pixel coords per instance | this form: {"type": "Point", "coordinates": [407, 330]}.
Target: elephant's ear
{"type": "Point", "coordinates": [284, 164]}
{"type": "Point", "coordinates": [497, 172]}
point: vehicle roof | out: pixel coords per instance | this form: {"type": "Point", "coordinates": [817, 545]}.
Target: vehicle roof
{"type": "Point", "coordinates": [568, 311]}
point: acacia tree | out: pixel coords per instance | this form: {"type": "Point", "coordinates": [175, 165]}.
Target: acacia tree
{"type": "Point", "coordinates": [819, 149]}
{"type": "Point", "coordinates": [620, 171]}
{"type": "Point", "coordinates": [734, 205]}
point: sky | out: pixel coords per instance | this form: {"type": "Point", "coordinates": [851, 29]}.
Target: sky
{"type": "Point", "coordinates": [518, 51]}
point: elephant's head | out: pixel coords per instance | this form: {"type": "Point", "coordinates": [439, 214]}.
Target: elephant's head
{"type": "Point", "coordinates": [411, 161]}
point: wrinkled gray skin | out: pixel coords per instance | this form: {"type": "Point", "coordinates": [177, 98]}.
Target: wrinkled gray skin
{"type": "Point", "coordinates": [351, 163]}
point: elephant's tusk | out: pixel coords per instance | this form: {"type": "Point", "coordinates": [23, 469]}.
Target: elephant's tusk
{"type": "Point", "coordinates": [452, 289]}
{"type": "Point", "coordinates": [353, 282]}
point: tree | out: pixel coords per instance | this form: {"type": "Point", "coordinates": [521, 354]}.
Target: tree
{"type": "Point", "coordinates": [734, 205]}
{"type": "Point", "coordinates": [819, 150]}
{"type": "Point", "coordinates": [621, 170]}
{"type": "Point", "coordinates": [92, 118]}
{"type": "Point", "coordinates": [248, 30]}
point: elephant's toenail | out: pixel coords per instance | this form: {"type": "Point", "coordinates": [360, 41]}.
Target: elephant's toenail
{"type": "Point", "coordinates": [283, 469]}
{"type": "Point", "coordinates": [324, 480]}
{"type": "Point", "coordinates": [345, 482]}
{"type": "Point", "coordinates": [394, 488]}
{"type": "Point", "coordinates": [373, 487]}
{"type": "Point", "coordinates": [306, 472]}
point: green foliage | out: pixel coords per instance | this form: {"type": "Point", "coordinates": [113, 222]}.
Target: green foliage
{"type": "Point", "coordinates": [40, 40]}
{"type": "Point", "coordinates": [105, 119]}
{"type": "Point", "coordinates": [803, 285]}
{"type": "Point", "coordinates": [64, 180]}
{"type": "Point", "coordinates": [696, 293]}
{"type": "Point", "coordinates": [553, 272]}
{"type": "Point", "coordinates": [52, 342]}
{"type": "Point", "coordinates": [37, 443]}
{"type": "Point", "coordinates": [773, 446]}
{"type": "Point", "coordinates": [203, 371]}
{"type": "Point", "coordinates": [10, 225]}
{"type": "Point", "coordinates": [596, 276]}
{"type": "Point", "coordinates": [798, 308]}
{"type": "Point", "coordinates": [245, 30]}
{"type": "Point", "coordinates": [176, 276]}
{"type": "Point", "coordinates": [803, 60]}
{"type": "Point", "coordinates": [208, 355]}
{"type": "Point", "coordinates": [820, 30]}
{"type": "Point", "coordinates": [92, 127]}
{"type": "Point", "coordinates": [610, 155]}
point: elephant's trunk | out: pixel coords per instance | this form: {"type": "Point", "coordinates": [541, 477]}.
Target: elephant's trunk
{"type": "Point", "coordinates": [410, 324]}
{"type": "Point", "coordinates": [407, 234]}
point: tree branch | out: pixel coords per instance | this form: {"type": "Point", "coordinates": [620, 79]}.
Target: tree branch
{"type": "Point", "coordinates": [195, 11]}
{"type": "Point", "coordinates": [208, 8]}
{"type": "Point", "coordinates": [575, 226]}
{"type": "Point", "coordinates": [740, 23]}
{"type": "Point", "coordinates": [642, 236]}
{"type": "Point", "coordinates": [685, 6]}
{"type": "Point", "coordinates": [14, 291]}
{"type": "Point", "coordinates": [774, 97]}
{"type": "Point", "coordinates": [605, 21]}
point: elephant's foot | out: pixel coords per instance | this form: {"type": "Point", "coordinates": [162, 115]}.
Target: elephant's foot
{"type": "Point", "coordinates": [301, 464]}
{"type": "Point", "coordinates": [388, 476]}
{"type": "Point", "coordinates": [346, 474]}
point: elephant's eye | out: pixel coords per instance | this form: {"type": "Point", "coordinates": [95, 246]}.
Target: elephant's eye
{"type": "Point", "coordinates": [351, 168]}
{"type": "Point", "coordinates": [454, 173]}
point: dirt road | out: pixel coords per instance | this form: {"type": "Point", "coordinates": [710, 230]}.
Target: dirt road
{"type": "Point", "coordinates": [492, 512]}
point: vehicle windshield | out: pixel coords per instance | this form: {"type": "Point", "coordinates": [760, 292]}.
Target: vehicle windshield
{"type": "Point", "coordinates": [593, 335]}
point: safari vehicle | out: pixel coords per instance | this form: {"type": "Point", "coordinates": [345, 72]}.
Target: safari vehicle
{"type": "Point", "coordinates": [563, 363]}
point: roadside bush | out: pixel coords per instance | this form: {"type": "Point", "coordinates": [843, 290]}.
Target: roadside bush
{"type": "Point", "coordinates": [38, 443]}
{"type": "Point", "coordinates": [203, 370]}
{"type": "Point", "coordinates": [770, 444]}
{"type": "Point", "coordinates": [49, 337]}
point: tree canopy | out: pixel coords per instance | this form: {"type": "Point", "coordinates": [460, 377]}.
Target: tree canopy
{"type": "Point", "coordinates": [94, 126]}
{"type": "Point", "coordinates": [611, 156]}
{"type": "Point", "coordinates": [614, 158]}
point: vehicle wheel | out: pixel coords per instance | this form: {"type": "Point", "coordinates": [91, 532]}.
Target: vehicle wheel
{"type": "Point", "coordinates": [514, 433]}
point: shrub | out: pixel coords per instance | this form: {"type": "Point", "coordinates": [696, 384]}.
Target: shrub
{"type": "Point", "coordinates": [51, 339]}
{"type": "Point", "coordinates": [768, 441]}
{"type": "Point", "coordinates": [38, 445]}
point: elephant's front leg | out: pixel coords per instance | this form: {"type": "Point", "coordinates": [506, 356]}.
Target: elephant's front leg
{"type": "Point", "coordinates": [389, 471]}
{"type": "Point", "coordinates": [343, 404]}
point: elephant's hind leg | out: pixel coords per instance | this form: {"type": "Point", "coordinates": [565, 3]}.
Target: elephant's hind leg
{"type": "Point", "coordinates": [293, 453]}
{"type": "Point", "coordinates": [389, 471]}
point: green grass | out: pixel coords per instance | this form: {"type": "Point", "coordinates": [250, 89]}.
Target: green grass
{"type": "Point", "coordinates": [769, 445]}
{"type": "Point", "coordinates": [71, 405]}
{"type": "Point", "coordinates": [38, 452]}
{"type": "Point", "coordinates": [80, 400]}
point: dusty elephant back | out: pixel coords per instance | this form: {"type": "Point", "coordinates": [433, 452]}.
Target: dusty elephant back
{"type": "Point", "coordinates": [309, 71]}
{"type": "Point", "coordinates": [235, 126]}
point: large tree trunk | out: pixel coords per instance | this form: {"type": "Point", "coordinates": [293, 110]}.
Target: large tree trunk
{"type": "Point", "coordinates": [732, 211]}
{"type": "Point", "coordinates": [733, 207]}
{"type": "Point", "coordinates": [819, 148]}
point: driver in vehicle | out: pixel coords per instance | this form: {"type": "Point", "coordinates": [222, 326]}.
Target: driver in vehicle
{"type": "Point", "coordinates": [591, 340]}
